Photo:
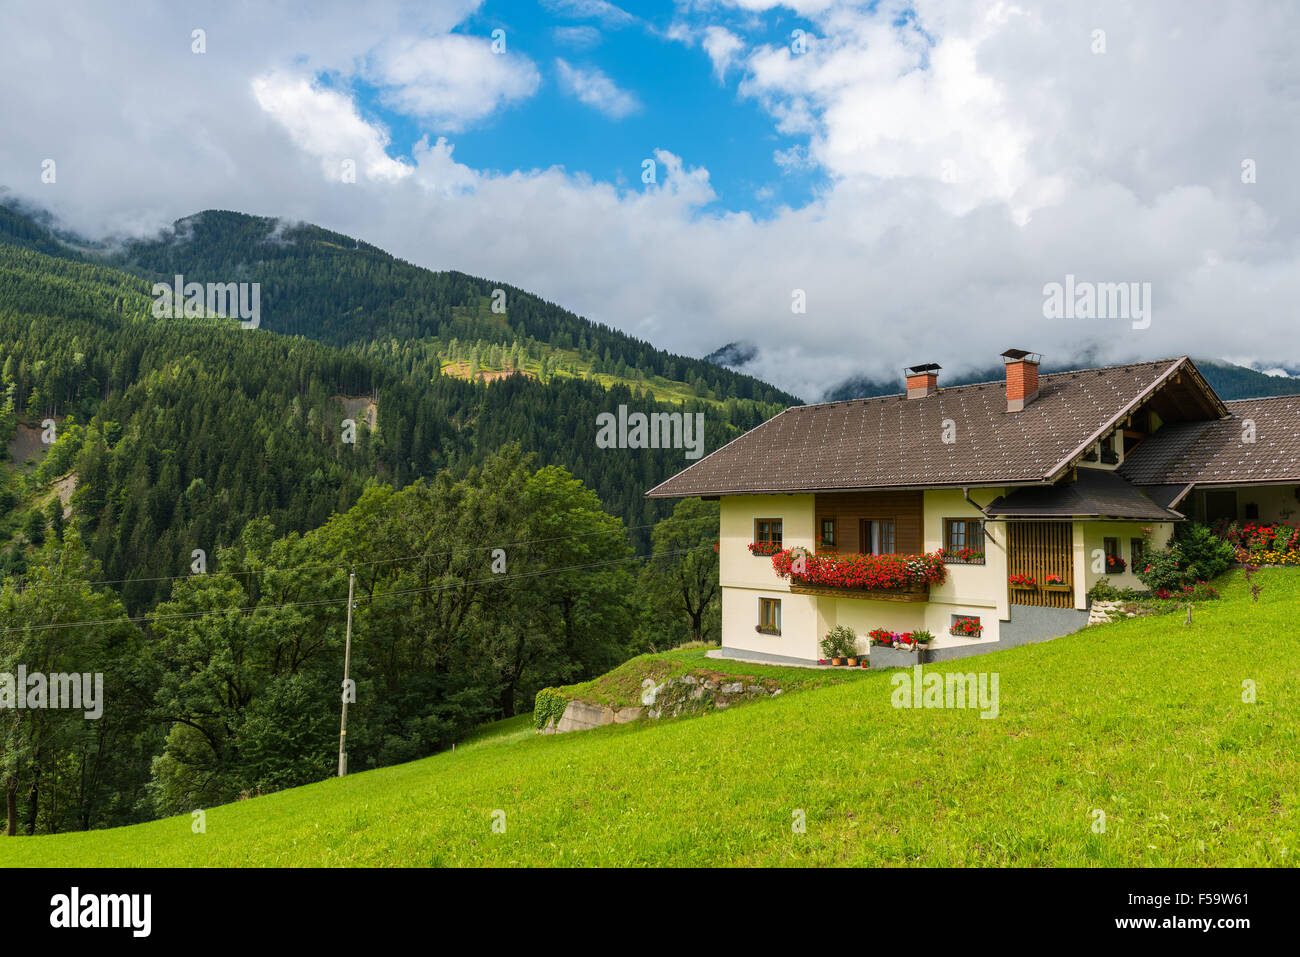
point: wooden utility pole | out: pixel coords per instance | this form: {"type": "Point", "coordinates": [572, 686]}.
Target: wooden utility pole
{"type": "Point", "coordinates": [347, 666]}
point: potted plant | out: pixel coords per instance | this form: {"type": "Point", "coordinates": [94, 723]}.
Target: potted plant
{"type": "Point", "coordinates": [1022, 582]}
{"type": "Point", "coordinates": [1115, 564]}
{"type": "Point", "coordinates": [881, 636]}
{"type": "Point", "coordinates": [922, 637]}
{"type": "Point", "coordinates": [1055, 583]}
{"type": "Point", "coordinates": [966, 628]}
{"type": "Point", "coordinates": [840, 644]}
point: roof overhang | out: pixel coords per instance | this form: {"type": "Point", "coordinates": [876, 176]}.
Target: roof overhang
{"type": "Point", "coordinates": [1173, 374]}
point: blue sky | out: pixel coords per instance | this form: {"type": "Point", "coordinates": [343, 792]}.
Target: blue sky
{"type": "Point", "coordinates": [682, 104]}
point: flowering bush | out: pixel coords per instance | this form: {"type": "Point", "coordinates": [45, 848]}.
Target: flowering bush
{"type": "Point", "coordinates": [966, 628]}
{"type": "Point", "coordinates": [1023, 581]}
{"type": "Point", "coordinates": [763, 548]}
{"type": "Point", "coordinates": [965, 556]}
{"type": "Point", "coordinates": [1195, 555]}
{"type": "Point", "coordinates": [883, 572]}
{"type": "Point", "coordinates": [1277, 543]}
{"type": "Point", "coordinates": [1200, 591]}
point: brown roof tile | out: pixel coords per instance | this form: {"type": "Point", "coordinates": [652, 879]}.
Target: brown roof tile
{"type": "Point", "coordinates": [1209, 453]}
{"type": "Point", "coordinates": [893, 441]}
{"type": "Point", "coordinates": [1096, 493]}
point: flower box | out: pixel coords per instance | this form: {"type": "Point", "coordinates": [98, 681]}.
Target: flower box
{"type": "Point", "coordinates": [763, 549]}
{"type": "Point", "coordinates": [886, 577]}
{"type": "Point", "coordinates": [911, 593]}
{"type": "Point", "coordinates": [886, 656]}
{"type": "Point", "coordinates": [963, 556]}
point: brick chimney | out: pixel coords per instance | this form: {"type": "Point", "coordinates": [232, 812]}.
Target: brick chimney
{"type": "Point", "coordinates": [1022, 377]}
{"type": "Point", "coordinates": [922, 380]}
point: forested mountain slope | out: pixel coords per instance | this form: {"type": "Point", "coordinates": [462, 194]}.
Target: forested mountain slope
{"type": "Point", "coordinates": [183, 430]}
{"type": "Point", "coordinates": [339, 290]}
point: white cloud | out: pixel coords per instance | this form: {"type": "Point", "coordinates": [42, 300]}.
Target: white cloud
{"type": "Point", "coordinates": [607, 13]}
{"type": "Point", "coordinates": [722, 46]}
{"type": "Point", "coordinates": [578, 38]}
{"type": "Point", "coordinates": [595, 89]}
{"type": "Point", "coordinates": [452, 79]}
{"type": "Point", "coordinates": [326, 125]}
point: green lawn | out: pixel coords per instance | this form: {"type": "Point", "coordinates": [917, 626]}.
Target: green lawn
{"type": "Point", "coordinates": [621, 687]}
{"type": "Point", "coordinates": [1143, 720]}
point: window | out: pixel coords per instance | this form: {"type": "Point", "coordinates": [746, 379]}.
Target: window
{"type": "Point", "coordinates": [963, 540]}
{"type": "Point", "coordinates": [767, 531]}
{"type": "Point", "coordinates": [1115, 564]}
{"type": "Point", "coordinates": [827, 537]}
{"type": "Point", "coordinates": [884, 538]}
{"type": "Point", "coordinates": [876, 536]}
{"type": "Point", "coordinates": [1135, 551]}
{"type": "Point", "coordinates": [769, 616]}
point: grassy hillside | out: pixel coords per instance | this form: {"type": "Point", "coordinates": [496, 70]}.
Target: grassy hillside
{"type": "Point", "coordinates": [1143, 720]}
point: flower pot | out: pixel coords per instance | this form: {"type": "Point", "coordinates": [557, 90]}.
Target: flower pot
{"type": "Point", "coordinates": [837, 662]}
{"type": "Point", "coordinates": [853, 662]}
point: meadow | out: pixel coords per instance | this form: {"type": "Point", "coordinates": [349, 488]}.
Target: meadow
{"type": "Point", "coordinates": [1125, 744]}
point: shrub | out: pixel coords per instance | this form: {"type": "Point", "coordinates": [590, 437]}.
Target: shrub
{"type": "Point", "coordinates": [1103, 590]}
{"type": "Point", "coordinates": [840, 642]}
{"type": "Point", "coordinates": [1195, 555]}
{"type": "Point", "coordinates": [548, 704]}
{"type": "Point", "coordinates": [1206, 555]}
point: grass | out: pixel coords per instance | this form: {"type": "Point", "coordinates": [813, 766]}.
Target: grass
{"type": "Point", "coordinates": [1142, 720]}
{"type": "Point", "coordinates": [621, 687]}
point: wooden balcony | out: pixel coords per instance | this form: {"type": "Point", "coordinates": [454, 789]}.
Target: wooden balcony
{"type": "Point", "coordinates": [913, 593]}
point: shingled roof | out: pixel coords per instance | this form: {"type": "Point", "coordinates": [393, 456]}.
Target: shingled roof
{"type": "Point", "coordinates": [1216, 453]}
{"type": "Point", "coordinates": [896, 442]}
{"type": "Point", "coordinates": [1096, 493]}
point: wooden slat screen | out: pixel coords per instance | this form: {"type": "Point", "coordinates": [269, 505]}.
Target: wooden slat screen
{"type": "Point", "coordinates": [1040, 549]}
